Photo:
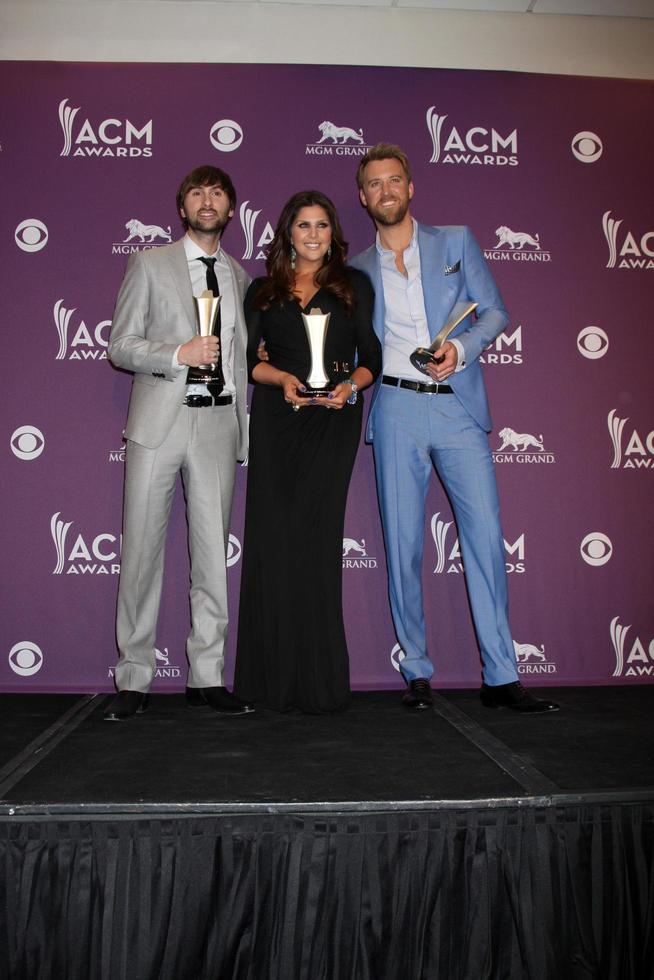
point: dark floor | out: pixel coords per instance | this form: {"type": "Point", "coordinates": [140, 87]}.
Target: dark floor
{"type": "Point", "coordinates": [57, 750]}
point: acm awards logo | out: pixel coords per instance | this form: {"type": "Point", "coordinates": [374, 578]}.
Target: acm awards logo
{"type": "Point", "coordinates": [448, 559]}
{"type": "Point", "coordinates": [100, 556]}
{"type": "Point", "coordinates": [86, 344]}
{"type": "Point", "coordinates": [108, 138]}
{"type": "Point", "coordinates": [638, 453]}
{"type": "Point", "coordinates": [516, 246]}
{"type": "Point", "coordinates": [163, 667]}
{"type": "Point", "coordinates": [478, 146]}
{"type": "Point", "coordinates": [338, 141]}
{"type": "Point", "coordinates": [355, 554]}
{"type": "Point", "coordinates": [25, 658]}
{"type": "Point", "coordinates": [505, 349]}
{"type": "Point", "coordinates": [635, 660]}
{"type": "Point", "coordinates": [626, 250]}
{"type": "Point", "coordinates": [254, 240]}
{"type": "Point", "coordinates": [141, 236]}
{"type": "Point", "coordinates": [521, 447]}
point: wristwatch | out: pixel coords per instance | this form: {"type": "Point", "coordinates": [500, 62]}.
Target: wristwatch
{"type": "Point", "coordinates": [352, 400]}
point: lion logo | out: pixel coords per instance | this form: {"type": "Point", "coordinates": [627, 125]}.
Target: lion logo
{"type": "Point", "coordinates": [527, 651]}
{"type": "Point", "coordinates": [515, 239]}
{"type": "Point", "coordinates": [349, 545]}
{"type": "Point", "coordinates": [143, 232]}
{"type": "Point", "coordinates": [519, 441]}
{"type": "Point", "coordinates": [339, 134]}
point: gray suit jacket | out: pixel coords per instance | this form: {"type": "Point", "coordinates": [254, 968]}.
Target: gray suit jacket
{"type": "Point", "coordinates": [154, 314]}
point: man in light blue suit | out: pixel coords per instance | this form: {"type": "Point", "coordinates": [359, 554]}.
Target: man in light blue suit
{"type": "Point", "coordinates": [416, 422]}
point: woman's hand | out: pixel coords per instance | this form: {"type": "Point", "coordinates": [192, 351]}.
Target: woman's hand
{"type": "Point", "coordinates": [292, 387]}
{"type": "Point", "coordinates": [336, 398]}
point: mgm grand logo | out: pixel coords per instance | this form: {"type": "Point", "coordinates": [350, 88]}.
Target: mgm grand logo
{"type": "Point", "coordinates": [521, 447]}
{"type": "Point", "coordinates": [355, 554]}
{"type": "Point", "coordinates": [532, 659]}
{"type": "Point", "coordinates": [338, 141]}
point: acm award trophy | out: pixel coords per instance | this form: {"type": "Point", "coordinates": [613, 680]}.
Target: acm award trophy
{"type": "Point", "coordinates": [318, 382]}
{"type": "Point", "coordinates": [207, 307]}
{"type": "Point", "coordinates": [422, 356]}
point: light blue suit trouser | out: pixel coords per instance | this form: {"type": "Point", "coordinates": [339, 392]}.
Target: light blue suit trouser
{"type": "Point", "coordinates": [412, 432]}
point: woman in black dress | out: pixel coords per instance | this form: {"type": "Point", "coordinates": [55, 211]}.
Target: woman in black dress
{"type": "Point", "coordinates": [291, 651]}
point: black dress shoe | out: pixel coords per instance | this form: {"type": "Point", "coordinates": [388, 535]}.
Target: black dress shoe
{"type": "Point", "coordinates": [126, 704]}
{"type": "Point", "coordinates": [218, 698]}
{"type": "Point", "coordinates": [514, 696]}
{"type": "Point", "coordinates": [418, 694]}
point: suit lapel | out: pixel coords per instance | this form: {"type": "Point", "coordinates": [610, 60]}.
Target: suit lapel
{"type": "Point", "coordinates": [433, 254]}
{"type": "Point", "coordinates": [372, 266]}
{"type": "Point", "coordinates": [180, 277]}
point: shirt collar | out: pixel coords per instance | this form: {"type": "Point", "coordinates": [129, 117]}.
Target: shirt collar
{"type": "Point", "coordinates": [412, 244]}
{"type": "Point", "coordinates": [193, 250]}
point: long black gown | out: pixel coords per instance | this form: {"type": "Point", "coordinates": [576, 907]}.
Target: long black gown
{"type": "Point", "coordinates": [291, 651]}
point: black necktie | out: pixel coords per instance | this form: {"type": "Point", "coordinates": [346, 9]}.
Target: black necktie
{"type": "Point", "coordinates": [216, 385]}
{"type": "Point", "coordinates": [212, 282]}
{"type": "Point", "coordinates": [212, 286]}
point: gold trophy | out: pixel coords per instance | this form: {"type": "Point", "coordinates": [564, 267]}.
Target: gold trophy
{"type": "Point", "coordinates": [422, 356]}
{"type": "Point", "coordinates": [318, 383]}
{"type": "Point", "coordinates": [207, 308]}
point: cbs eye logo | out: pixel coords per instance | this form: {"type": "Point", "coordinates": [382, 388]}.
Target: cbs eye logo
{"type": "Point", "coordinates": [233, 550]}
{"type": "Point", "coordinates": [31, 235]}
{"type": "Point", "coordinates": [25, 659]}
{"type": "Point", "coordinates": [27, 442]}
{"type": "Point", "coordinates": [596, 549]}
{"type": "Point", "coordinates": [587, 147]}
{"type": "Point", "coordinates": [226, 135]}
{"type": "Point", "coordinates": [592, 343]}
{"type": "Point", "coordinates": [397, 656]}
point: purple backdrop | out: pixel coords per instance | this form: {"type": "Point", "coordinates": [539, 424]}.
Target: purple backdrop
{"type": "Point", "coordinates": [552, 173]}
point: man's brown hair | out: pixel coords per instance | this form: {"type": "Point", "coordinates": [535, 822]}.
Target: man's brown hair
{"type": "Point", "coordinates": [383, 151]}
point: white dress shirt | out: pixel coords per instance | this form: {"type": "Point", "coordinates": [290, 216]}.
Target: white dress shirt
{"type": "Point", "coordinates": [198, 275]}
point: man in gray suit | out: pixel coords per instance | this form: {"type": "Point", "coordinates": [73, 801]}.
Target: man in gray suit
{"type": "Point", "coordinates": [174, 427]}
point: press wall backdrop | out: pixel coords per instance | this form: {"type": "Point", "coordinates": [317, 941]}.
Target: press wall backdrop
{"type": "Point", "coordinates": [553, 174]}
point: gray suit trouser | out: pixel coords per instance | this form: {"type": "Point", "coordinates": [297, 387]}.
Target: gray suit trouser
{"type": "Point", "coordinates": [202, 446]}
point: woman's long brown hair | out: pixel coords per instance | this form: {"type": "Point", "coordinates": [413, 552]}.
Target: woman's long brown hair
{"type": "Point", "coordinates": [279, 284]}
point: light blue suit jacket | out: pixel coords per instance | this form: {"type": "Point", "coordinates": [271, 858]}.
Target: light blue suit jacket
{"type": "Point", "coordinates": [453, 270]}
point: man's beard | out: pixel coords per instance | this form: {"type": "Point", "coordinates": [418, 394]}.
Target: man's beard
{"type": "Point", "coordinates": [391, 216]}
{"type": "Point", "coordinates": [218, 224]}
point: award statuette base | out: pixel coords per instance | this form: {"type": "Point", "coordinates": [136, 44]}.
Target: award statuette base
{"type": "Point", "coordinates": [321, 392]}
{"type": "Point", "coordinates": [423, 356]}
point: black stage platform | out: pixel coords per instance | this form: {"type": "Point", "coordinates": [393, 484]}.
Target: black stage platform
{"type": "Point", "coordinates": [378, 844]}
